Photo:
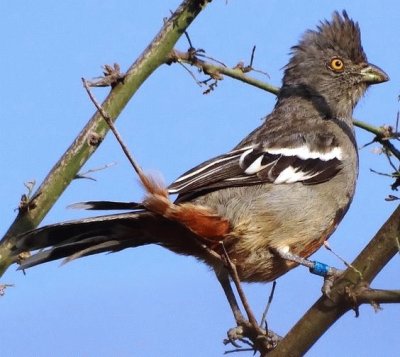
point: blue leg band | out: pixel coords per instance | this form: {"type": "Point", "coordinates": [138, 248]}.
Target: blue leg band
{"type": "Point", "coordinates": [320, 269]}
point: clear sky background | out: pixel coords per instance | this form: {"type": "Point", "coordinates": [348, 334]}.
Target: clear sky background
{"type": "Point", "coordinates": [148, 301]}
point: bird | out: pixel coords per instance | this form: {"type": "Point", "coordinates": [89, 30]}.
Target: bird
{"type": "Point", "coordinates": [270, 202]}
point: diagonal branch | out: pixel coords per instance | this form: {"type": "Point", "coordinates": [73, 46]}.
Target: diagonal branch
{"type": "Point", "coordinates": [93, 133]}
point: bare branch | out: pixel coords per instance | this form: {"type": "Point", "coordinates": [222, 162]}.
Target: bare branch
{"type": "Point", "coordinates": [83, 147]}
{"type": "Point", "coordinates": [379, 296]}
{"type": "Point", "coordinates": [216, 71]}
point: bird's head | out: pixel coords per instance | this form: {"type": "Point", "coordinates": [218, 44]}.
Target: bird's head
{"type": "Point", "coordinates": [330, 63]}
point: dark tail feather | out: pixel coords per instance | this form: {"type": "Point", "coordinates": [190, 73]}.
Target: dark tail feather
{"type": "Point", "coordinates": [111, 233]}
{"type": "Point", "coordinates": [71, 251]}
{"type": "Point", "coordinates": [106, 205]}
{"type": "Point", "coordinates": [85, 237]}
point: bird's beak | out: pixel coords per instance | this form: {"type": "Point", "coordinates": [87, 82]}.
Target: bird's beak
{"type": "Point", "coordinates": [373, 74]}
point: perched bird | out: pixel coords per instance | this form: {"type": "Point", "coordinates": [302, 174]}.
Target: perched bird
{"type": "Point", "coordinates": [270, 202]}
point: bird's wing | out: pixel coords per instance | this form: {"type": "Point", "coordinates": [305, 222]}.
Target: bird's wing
{"type": "Point", "coordinates": [261, 163]}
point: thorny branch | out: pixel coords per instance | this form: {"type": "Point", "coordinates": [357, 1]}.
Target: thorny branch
{"type": "Point", "coordinates": [124, 87]}
{"type": "Point", "coordinates": [215, 70]}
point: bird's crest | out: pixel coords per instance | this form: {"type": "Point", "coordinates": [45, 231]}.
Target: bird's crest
{"type": "Point", "coordinates": [341, 34]}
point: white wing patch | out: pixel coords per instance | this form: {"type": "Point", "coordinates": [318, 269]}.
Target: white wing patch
{"type": "Point", "coordinates": [288, 165]}
{"type": "Point", "coordinates": [304, 153]}
{"type": "Point", "coordinates": [256, 164]}
{"type": "Point", "coordinates": [291, 175]}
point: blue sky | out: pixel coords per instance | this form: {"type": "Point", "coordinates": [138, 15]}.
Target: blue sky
{"type": "Point", "coordinates": [147, 302]}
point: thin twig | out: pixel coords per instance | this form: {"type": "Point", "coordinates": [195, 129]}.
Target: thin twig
{"type": "Point", "coordinates": [381, 173]}
{"type": "Point", "coordinates": [347, 264]}
{"type": "Point", "coordinates": [188, 39]}
{"type": "Point", "coordinates": [381, 136]}
{"type": "Point", "coordinates": [117, 135]}
{"type": "Point", "coordinates": [84, 175]}
{"type": "Point", "coordinates": [391, 161]}
{"type": "Point", "coordinates": [270, 298]}
{"type": "Point", "coordinates": [252, 56]}
{"type": "Point", "coordinates": [191, 74]}
{"type": "Point", "coordinates": [239, 350]}
{"type": "Point", "coordinates": [203, 55]}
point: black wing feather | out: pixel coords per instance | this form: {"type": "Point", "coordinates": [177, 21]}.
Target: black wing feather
{"type": "Point", "coordinates": [253, 165]}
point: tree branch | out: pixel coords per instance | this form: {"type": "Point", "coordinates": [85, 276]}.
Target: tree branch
{"type": "Point", "coordinates": [215, 71]}
{"type": "Point", "coordinates": [93, 133]}
{"type": "Point", "coordinates": [379, 296]}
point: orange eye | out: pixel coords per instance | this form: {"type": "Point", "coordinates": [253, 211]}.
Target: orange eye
{"type": "Point", "coordinates": [336, 64]}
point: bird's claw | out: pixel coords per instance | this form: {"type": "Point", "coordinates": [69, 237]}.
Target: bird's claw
{"type": "Point", "coordinates": [234, 334]}
{"type": "Point", "coordinates": [329, 279]}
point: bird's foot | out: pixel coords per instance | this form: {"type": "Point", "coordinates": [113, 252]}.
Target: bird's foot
{"type": "Point", "coordinates": [329, 279]}
{"type": "Point", "coordinates": [255, 337]}
{"type": "Point", "coordinates": [330, 274]}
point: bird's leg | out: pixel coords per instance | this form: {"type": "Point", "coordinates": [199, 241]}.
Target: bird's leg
{"type": "Point", "coordinates": [261, 340]}
{"type": "Point", "coordinates": [235, 333]}
{"type": "Point", "coordinates": [223, 278]}
{"type": "Point", "coordinates": [328, 273]}
{"type": "Point", "coordinates": [236, 280]}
